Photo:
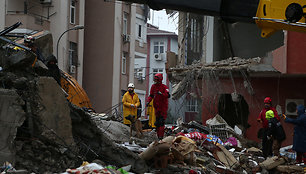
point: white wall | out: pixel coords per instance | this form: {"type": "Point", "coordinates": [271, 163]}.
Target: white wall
{"type": "Point", "coordinates": [209, 54]}
{"type": "Point", "coordinates": [140, 20]}
{"type": "Point", "coordinates": [58, 24]}
{"type": "Point", "coordinates": [174, 46]}
{"type": "Point", "coordinates": [141, 63]}
{"type": "Point", "coordinates": [81, 41]}
{"type": "Point", "coordinates": [117, 54]}
{"type": "Point", "coordinates": [141, 94]}
{"type": "Point", "coordinates": [132, 42]}
{"type": "Point", "coordinates": [157, 64]}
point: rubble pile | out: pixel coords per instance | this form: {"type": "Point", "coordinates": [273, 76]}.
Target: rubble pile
{"type": "Point", "coordinates": [232, 63]}
{"type": "Point", "coordinates": [50, 137]}
{"type": "Point", "coordinates": [29, 138]}
{"type": "Point", "coordinates": [191, 149]}
{"type": "Point", "coordinates": [41, 132]}
{"type": "Point", "coordinates": [94, 143]}
{"type": "Point", "coordinates": [187, 76]}
{"type": "Point", "coordinates": [38, 157]}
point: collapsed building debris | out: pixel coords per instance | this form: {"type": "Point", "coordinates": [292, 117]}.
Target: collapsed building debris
{"type": "Point", "coordinates": [97, 145]}
{"type": "Point", "coordinates": [186, 76]}
{"type": "Point", "coordinates": [41, 130]}
{"type": "Point", "coordinates": [95, 138]}
{"type": "Point", "coordinates": [12, 116]}
{"type": "Point", "coordinates": [39, 135]}
{"type": "Point", "coordinates": [53, 132]}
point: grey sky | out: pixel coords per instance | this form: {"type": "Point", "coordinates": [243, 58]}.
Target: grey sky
{"type": "Point", "coordinates": [161, 19]}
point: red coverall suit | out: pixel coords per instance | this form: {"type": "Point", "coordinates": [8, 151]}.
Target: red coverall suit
{"type": "Point", "coordinates": [267, 144]}
{"type": "Point", "coordinates": [160, 93]}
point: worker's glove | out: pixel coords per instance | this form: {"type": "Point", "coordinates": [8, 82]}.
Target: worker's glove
{"type": "Point", "coordinates": [160, 93]}
{"type": "Point", "coordinates": [132, 105]}
{"type": "Point", "coordinates": [284, 116]}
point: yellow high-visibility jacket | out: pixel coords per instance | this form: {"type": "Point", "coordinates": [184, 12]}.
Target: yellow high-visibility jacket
{"type": "Point", "coordinates": [127, 100]}
{"type": "Point", "coordinates": [151, 113]}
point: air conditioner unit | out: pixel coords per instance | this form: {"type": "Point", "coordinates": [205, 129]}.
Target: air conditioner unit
{"type": "Point", "coordinates": [157, 57]}
{"type": "Point", "coordinates": [291, 105]}
{"type": "Point", "coordinates": [45, 1]}
{"type": "Point", "coordinates": [72, 69]}
{"type": "Point", "coordinates": [126, 38]}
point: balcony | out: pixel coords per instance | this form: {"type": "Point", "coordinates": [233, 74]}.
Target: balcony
{"type": "Point", "coordinates": [30, 22]}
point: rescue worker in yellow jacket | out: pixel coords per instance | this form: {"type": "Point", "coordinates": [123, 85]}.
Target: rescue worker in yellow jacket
{"type": "Point", "coordinates": [130, 102]}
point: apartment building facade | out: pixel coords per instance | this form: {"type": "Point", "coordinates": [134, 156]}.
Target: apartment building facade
{"type": "Point", "coordinates": [111, 45]}
{"type": "Point", "coordinates": [56, 16]}
{"type": "Point", "coordinates": [160, 43]}
{"type": "Point", "coordinates": [140, 79]}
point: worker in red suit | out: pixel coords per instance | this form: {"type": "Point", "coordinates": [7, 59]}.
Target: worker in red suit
{"type": "Point", "coordinates": [160, 93]}
{"type": "Point", "coordinates": [266, 143]}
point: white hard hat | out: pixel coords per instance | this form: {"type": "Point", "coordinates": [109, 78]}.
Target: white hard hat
{"type": "Point", "coordinates": [131, 85]}
{"type": "Point", "coordinates": [28, 39]}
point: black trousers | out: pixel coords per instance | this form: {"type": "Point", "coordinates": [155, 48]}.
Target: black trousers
{"type": "Point", "coordinates": [266, 145]}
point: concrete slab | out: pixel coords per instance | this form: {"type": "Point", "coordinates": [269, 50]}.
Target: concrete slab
{"type": "Point", "coordinates": [11, 117]}
{"type": "Point", "coordinates": [55, 115]}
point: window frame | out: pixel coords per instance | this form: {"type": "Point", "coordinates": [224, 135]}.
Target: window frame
{"type": "Point", "coordinates": [139, 31]}
{"type": "Point", "coordinates": [72, 11]}
{"type": "Point", "coordinates": [192, 103]}
{"type": "Point", "coordinates": [73, 48]}
{"type": "Point", "coordinates": [158, 70]}
{"type": "Point", "coordinates": [123, 63]}
{"type": "Point", "coordinates": [125, 23]}
{"type": "Point", "coordinates": [160, 44]}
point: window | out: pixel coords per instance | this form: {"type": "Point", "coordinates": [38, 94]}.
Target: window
{"type": "Point", "coordinates": [73, 53]}
{"type": "Point", "coordinates": [196, 33]}
{"type": "Point", "coordinates": [159, 47]}
{"type": "Point", "coordinates": [72, 11]}
{"type": "Point", "coordinates": [125, 22]}
{"type": "Point", "coordinates": [139, 31]}
{"type": "Point", "coordinates": [138, 73]}
{"type": "Point", "coordinates": [192, 105]}
{"type": "Point", "coordinates": [124, 63]}
{"type": "Point", "coordinates": [156, 71]}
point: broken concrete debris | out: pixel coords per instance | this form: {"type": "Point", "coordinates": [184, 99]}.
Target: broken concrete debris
{"type": "Point", "coordinates": [12, 116]}
{"type": "Point", "coordinates": [42, 132]}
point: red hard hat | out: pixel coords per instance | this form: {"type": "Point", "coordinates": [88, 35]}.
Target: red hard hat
{"type": "Point", "coordinates": [158, 77]}
{"type": "Point", "coordinates": [268, 100]}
